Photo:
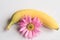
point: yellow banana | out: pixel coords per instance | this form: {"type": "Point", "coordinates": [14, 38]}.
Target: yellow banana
{"type": "Point", "coordinates": [48, 21]}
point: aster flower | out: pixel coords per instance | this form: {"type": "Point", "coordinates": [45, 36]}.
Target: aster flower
{"type": "Point", "coordinates": [29, 27]}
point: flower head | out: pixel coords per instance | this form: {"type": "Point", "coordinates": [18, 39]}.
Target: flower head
{"type": "Point", "coordinates": [29, 27]}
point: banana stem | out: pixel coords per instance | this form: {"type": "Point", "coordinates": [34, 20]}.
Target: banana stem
{"type": "Point", "coordinates": [9, 26]}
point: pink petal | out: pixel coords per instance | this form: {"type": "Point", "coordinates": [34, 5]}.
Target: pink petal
{"type": "Point", "coordinates": [21, 24]}
{"type": "Point", "coordinates": [34, 19]}
{"type": "Point", "coordinates": [23, 32]}
{"type": "Point", "coordinates": [39, 23]}
{"type": "Point", "coordinates": [30, 34]}
{"type": "Point", "coordinates": [26, 35]}
{"type": "Point", "coordinates": [33, 33]}
{"type": "Point", "coordinates": [24, 20]}
{"type": "Point", "coordinates": [37, 30]}
{"type": "Point", "coordinates": [29, 19]}
{"type": "Point", "coordinates": [36, 22]}
{"type": "Point", "coordinates": [23, 28]}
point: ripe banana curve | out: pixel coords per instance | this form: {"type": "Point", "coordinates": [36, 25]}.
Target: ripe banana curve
{"type": "Point", "coordinates": [47, 20]}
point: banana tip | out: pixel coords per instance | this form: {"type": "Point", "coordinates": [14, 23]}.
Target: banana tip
{"type": "Point", "coordinates": [57, 29]}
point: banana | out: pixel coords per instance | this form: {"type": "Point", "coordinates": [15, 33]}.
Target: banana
{"type": "Point", "coordinates": [47, 20]}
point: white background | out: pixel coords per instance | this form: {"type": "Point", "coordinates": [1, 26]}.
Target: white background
{"type": "Point", "coordinates": [8, 7]}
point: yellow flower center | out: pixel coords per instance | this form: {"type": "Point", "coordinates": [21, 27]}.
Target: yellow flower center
{"type": "Point", "coordinates": [30, 26]}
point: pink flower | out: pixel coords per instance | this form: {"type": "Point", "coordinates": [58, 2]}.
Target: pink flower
{"type": "Point", "coordinates": [29, 27]}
